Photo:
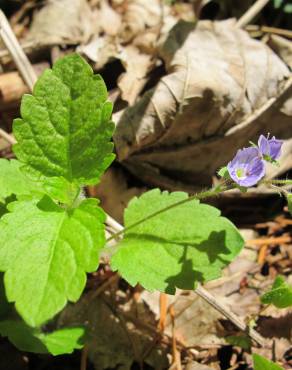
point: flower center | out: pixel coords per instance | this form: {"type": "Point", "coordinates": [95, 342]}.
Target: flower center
{"type": "Point", "coordinates": [240, 173]}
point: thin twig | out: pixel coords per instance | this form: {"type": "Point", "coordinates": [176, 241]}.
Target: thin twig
{"type": "Point", "coordinates": [20, 59]}
{"type": "Point", "coordinates": [84, 354]}
{"type": "Point", "coordinates": [208, 297]}
{"type": "Point", "coordinates": [251, 13]}
{"type": "Point", "coordinates": [9, 138]}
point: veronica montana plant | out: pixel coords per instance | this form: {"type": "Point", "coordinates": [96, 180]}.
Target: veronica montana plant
{"type": "Point", "coordinates": [51, 237]}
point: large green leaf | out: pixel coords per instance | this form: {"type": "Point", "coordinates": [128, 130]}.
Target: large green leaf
{"type": "Point", "coordinates": [280, 295]}
{"type": "Point", "coordinates": [45, 252]}
{"type": "Point", "coordinates": [28, 339]}
{"type": "Point", "coordinates": [261, 363]}
{"type": "Point", "coordinates": [184, 245]}
{"type": "Point", "coordinates": [65, 128]}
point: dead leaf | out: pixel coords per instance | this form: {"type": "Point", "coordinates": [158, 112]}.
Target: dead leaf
{"type": "Point", "coordinates": [137, 66]}
{"type": "Point", "coordinates": [139, 16]}
{"type": "Point", "coordinates": [114, 193]}
{"type": "Point", "coordinates": [114, 339]}
{"type": "Point", "coordinates": [211, 102]}
{"type": "Point", "coordinates": [189, 330]}
{"type": "Point", "coordinates": [100, 50]}
{"type": "Point", "coordinates": [62, 21]}
{"type": "Point", "coordinates": [197, 366]}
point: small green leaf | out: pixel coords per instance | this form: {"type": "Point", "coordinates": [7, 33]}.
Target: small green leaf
{"type": "Point", "coordinates": [261, 363]}
{"type": "Point", "coordinates": [223, 172]}
{"type": "Point", "coordinates": [12, 180]}
{"type": "Point", "coordinates": [45, 253]}
{"type": "Point", "coordinates": [242, 341]}
{"type": "Point", "coordinates": [63, 340]}
{"type": "Point", "coordinates": [65, 128]}
{"type": "Point", "coordinates": [27, 339]}
{"type": "Point", "coordinates": [289, 202]}
{"type": "Point", "coordinates": [280, 295]}
{"type": "Point", "coordinates": [22, 336]}
{"type": "Point", "coordinates": [187, 244]}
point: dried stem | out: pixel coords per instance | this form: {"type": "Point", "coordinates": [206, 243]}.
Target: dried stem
{"type": "Point", "coordinates": [9, 138]}
{"type": "Point", "coordinates": [251, 13]}
{"type": "Point", "coordinates": [20, 59]}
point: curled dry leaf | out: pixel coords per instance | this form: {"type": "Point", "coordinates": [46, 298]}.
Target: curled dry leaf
{"type": "Point", "coordinates": [222, 89]}
{"type": "Point", "coordinates": [62, 21]}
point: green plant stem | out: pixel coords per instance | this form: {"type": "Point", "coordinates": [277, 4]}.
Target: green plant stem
{"type": "Point", "coordinates": [199, 196]}
{"type": "Point", "coordinates": [278, 182]}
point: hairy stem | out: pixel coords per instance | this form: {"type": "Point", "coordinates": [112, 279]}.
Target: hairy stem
{"type": "Point", "coordinates": [202, 195]}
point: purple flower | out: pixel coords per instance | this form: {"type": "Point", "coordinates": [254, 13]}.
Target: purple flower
{"type": "Point", "coordinates": [270, 148]}
{"type": "Point", "coordinates": [247, 167]}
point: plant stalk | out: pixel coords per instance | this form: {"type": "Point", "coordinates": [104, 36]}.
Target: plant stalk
{"type": "Point", "coordinates": [199, 196]}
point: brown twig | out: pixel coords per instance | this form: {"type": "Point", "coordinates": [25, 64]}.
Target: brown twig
{"type": "Point", "coordinates": [251, 13]}
{"type": "Point", "coordinates": [84, 354]}
{"type": "Point", "coordinates": [9, 138]}
{"type": "Point", "coordinates": [270, 241]}
{"type": "Point", "coordinates": [163, 311]}
{"type": "Point", "coordinates": [20, 59]}
{"type": "Point", "coordinates": [203, 293]}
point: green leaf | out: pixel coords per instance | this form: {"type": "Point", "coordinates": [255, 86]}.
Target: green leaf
{"type": "Point", "coordinates": [12, 180]}
{"type": "Point", "coordinates": [187, 244]}
{"type": "Point", "coordinates": [45, 252]}
{"type": "Point", "coordinates": [60, 189]}
{"type": "Point", "coordinates": [223, 172]}
{"type": "Point", "coordinates": [261, 363]}
{"type": "Point", "coordinates": [21, 335]}
{"type": "Point", "coordinates": [65, 130]}
{"type": "Point", "coordinates": [289, 201]}
{"type": "Point", "coordinates": [242, 341]}
{"type": "Point", "coordinates": [28, 339]}
{"type": "Point", "coordinates": [280, 295]}
{"type": "Point", "coordinates": [63, 340]}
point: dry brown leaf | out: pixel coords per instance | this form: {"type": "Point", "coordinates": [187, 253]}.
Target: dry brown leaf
{"type": "Point", "coordinates": [114, 193]}
{"type": "Point", "coordinates": [62, 21]}
{"type": "Point", "coordinates": [196, 117]}
{"type": "Point", "coordinates": [197, 366]}
{"type": "Point", "coordinates": [137, 66]}
{"type": "Point", "coordinates": [100, 50]}
{"type": "Point", "coordinates": [116, 335]}
{"type": "Point", "coordinates": [140, 15]}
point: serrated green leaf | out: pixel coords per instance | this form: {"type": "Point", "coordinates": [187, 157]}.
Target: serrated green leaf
{"type": "Point", "coordinates": [12, 180]}
{"type": "Point", "coordinates": [261, 363]}
{"type": "Point", "coordinates": [182, 246]}
{"type": "Point", "coordinates": [27, 339]}
{"type": "Point", "coordinates": [45, 253]}
{"type": "Point", "coordinates": [65, 128]}
{"type": "Point", "coordinates": [280, 295]}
